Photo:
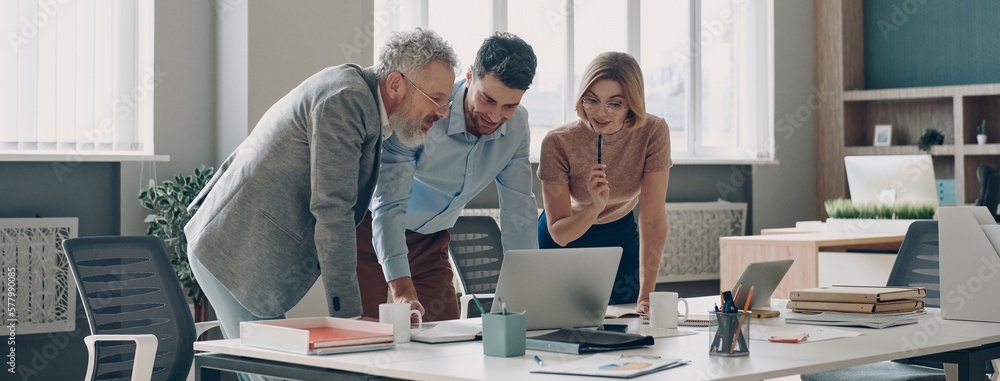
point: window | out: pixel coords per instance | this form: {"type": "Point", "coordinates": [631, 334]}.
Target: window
{"type": "Point", "coordinates": [706, 64]}
{"type": "Point", "coordinates": [77, 77]}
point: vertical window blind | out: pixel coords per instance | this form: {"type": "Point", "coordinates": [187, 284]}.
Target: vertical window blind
{"type": "Point", "coordinates": [76, 76]}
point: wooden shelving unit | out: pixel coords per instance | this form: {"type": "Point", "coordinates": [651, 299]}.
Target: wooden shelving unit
{"type": "Point", "coordinates": [847, 113]}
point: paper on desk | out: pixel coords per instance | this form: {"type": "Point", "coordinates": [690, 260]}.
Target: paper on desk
{"type": "Point", "coordinates": [815, 333]}
{"type": "Point", "coordinates": [661, 332]}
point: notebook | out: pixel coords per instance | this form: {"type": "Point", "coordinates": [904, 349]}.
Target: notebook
{"type": "Point", "coordinates": [322, 337]}
{"type": "Point", "coordinates": [905, 305]}
{"type": "Point", "coordinates": [578, 341]}
{"type": "Point", "coordinates": [856, 320]}
{"type": "Point", "coordinates": [558, 288]}
{"type": "Point", "coordinates": [857, 294]}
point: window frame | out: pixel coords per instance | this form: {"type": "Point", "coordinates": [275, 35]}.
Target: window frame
{"type": "Point", "coordinates": [754, 99]}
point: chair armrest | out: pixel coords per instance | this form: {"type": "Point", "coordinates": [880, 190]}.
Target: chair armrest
{"type": "Point", "coordinates": [145, 354]}
{"type": "Point", "coordinates": [464, 303]}
{"type": "Point", "coordinates": [996, 370]}
{"type": "Point", "coordinates": [202, 327]}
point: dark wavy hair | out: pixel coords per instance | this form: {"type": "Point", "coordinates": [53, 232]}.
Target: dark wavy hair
{"type": "Point", "coordinates": [507, 57]}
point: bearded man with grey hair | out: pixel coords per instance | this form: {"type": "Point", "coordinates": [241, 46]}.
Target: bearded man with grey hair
{"type": "Point", "coordinates": [282, 209]}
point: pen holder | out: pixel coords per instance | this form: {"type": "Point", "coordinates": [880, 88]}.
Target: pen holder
{"type": "Point", "coordinates": [729, 334]}
{"type": "Point", "coordinates": [504, 334]}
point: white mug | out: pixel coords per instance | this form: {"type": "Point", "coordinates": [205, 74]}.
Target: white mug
{"type": "Point", "coordinates": [398, 314]}
{"type": "Point", "coordinates": [663, 309]}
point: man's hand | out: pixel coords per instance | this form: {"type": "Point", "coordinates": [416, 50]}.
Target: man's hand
{"type": "Point", "coordinates": [403, 292]}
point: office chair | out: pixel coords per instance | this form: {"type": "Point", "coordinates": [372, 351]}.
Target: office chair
{"type": "Point", "coordinates": [477, 251]}
{"type": "Point", "coordinates": [916, 266]}
{"type": "Point", "coordinates": [989, 188]}
{"type": "Point", "coordinates": [131, 294]}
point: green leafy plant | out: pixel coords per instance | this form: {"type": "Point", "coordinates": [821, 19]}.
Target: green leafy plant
{"type": "Point", "coordinates": [169, 202]}
{"type": "Point", "coordinates": [845, 208]}
{"type": "Point", "coordinates": [981, 129]}
{"type": "Point", "coordinates": [931, 137]}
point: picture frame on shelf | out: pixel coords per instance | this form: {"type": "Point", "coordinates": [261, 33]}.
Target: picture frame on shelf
{"type": "Point", "coordinates": [883, 135]}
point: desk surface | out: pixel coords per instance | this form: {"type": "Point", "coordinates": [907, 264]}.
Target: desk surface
{"type": "Point", "coordinates": [465, 361]}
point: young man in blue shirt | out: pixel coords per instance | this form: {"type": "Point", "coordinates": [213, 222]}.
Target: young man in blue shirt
{"type": "Point", "coordinates": [422, 190]}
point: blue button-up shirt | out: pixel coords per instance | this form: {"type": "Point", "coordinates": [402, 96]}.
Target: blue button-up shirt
{"type": "Point", "coordinates": [446, 172]}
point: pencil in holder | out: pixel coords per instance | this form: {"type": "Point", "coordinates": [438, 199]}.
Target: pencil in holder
{"type": "Point", "coordinates": [729, 334]}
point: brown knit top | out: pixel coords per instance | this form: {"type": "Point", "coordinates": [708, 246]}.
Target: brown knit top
{"type": "Point", "coordinates": [569, 151]}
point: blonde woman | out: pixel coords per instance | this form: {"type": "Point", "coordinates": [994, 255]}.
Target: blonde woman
{"type": "Point", "coordinates": [594, 169]}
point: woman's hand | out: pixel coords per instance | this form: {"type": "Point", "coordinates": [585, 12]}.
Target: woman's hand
{"type": "Point", "coordinates": [598, 187]}
{"type": "Point", "coordinates": [642, 306]}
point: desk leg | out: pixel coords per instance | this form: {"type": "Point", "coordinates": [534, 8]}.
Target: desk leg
{"type": "Point", "coordinates": [205, 374]}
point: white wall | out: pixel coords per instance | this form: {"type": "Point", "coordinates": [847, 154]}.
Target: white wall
{"type": "Point", "coordinates": [292, 40]}
{"type": "Point", "coordinates": [786, 193]}
{"type": "Point", "coordinates": [184, 105]}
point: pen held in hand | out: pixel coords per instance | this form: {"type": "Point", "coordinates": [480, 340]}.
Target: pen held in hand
{"type": "Point", "coordinates": [600, 145]}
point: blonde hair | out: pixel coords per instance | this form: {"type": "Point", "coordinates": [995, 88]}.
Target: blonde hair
{"type": "Point", "coordinates": [624, 69]}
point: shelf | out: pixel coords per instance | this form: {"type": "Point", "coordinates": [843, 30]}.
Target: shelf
{"type": "Point", "coordinates": [847, 115]}
{"type": "Point", "coordinates": [920, 93]}
{"type": "Point", "coordinates": [939, 150]}
{"type": "Point", "coordinates": [909, 120]}
{"type": "Point", "coordinates": [981, 150]}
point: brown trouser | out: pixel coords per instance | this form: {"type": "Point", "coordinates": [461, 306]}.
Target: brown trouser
{"type": "Point", "coordinates": [429, 270]}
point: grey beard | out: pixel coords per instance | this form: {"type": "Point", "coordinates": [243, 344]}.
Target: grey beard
{"type": "Point", "coordinates": [408, 130]}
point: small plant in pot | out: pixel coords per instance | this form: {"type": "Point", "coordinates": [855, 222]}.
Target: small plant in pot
{"type": "Point", "coordinates": [929, 138]}
{"type": "Point", "coordinates": [981, 132]}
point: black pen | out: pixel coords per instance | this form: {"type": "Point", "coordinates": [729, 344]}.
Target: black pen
{"type": "Point", "coordinates": [600, 144]}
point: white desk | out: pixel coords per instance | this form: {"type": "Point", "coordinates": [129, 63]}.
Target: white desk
{"type": "Point", "coordinates": [465, 361]}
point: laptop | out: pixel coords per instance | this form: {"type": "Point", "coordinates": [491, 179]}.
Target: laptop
{"type": "Point", "coordinates": [558, 288]}
{"type": "Point", "coordinates": [764, 277]}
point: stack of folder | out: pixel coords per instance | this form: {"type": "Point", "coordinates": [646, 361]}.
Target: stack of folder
{"type": "Point", "coordinates": [856, 299]}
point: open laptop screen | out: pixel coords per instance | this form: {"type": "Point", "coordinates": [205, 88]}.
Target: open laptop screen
{"type": "Point", "coordinates": [558, 288]}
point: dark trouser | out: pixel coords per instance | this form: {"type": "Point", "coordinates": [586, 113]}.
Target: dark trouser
{"type": "Point", "coordinates": [429, 269]}
{"type": "Point", "coordinates": [624, 233]}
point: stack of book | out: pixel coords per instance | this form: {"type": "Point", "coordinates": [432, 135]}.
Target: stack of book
{"type": "Point", "coordinates": [857, 299]}
{"type": "Point", "coordinates": [317, 336]}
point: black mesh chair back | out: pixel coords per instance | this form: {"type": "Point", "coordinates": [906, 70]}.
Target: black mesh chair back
{"type": "Point", "coordinates": [477, 252]}
{"type": "Point", "coordinates": [917, 262]}
{"type": "Point", "coordinates": [989, 188]}
{"type": "Point", "coordinates": [128, 286]}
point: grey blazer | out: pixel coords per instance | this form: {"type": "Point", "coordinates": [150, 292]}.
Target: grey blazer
{"type": "Point", "coordinates": [283, 208]}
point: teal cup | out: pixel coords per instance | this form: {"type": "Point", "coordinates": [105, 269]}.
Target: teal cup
{"type": "Point", "coordinates": [504, 334]}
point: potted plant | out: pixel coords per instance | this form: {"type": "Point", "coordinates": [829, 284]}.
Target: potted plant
{"type": "Point", "coordinates": [981, 132]}
{"type": "Point", "coordinates": [169, 202]}
{"type": "Point", "coordinates": [929, 138]}
{"type": "Point", "coordinates": [875, 217]}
